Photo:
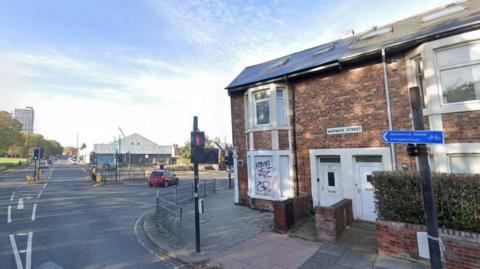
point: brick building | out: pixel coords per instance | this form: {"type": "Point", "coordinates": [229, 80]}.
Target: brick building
{"type": "Point", "coordinates": [309, 123]}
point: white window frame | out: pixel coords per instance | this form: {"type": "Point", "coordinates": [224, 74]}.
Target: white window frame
{"type": "Point", "coordinates": [254, 104]}
{"type": "Point", "coordinates": [449, 155]}
{"type": "Point", "coordinates": [433, 91]}
{"type": "Point", "coordinates": [284, 91]}
{"type": "Point", "coordinates": [439, 69]}
{"type": "Point", "coordinates": [278, 190]}
{"type": "Point", "coordinates": [250, 108]}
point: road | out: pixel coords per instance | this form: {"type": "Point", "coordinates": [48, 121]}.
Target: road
{"type": "Point", "coordinates": [64, 222]}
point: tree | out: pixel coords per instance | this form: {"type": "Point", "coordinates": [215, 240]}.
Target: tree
{"type": "Point", "coordinates": [9, 132]}
{"type": "Point", "coordinates": [69, 150]}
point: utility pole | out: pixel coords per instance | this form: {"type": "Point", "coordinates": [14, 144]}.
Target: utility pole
{"type": "Point", "coordinates": [426, 180]}
{"type": "Point", "coordinates": [195, 192]}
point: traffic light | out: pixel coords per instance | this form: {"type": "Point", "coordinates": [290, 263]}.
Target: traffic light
{"type": "Point", "coordinates": [198, 145]}
{"type": "Point", "coordinates": [93, 157]}
{"type": "Point", "coordinates": [37, 153]}
{"type": "Point", "coordinates": [229, 158]}
{"type": "Point", "coordinates": [199, 153]}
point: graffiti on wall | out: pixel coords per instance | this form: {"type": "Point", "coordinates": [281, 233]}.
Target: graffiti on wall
{"type": "Point", "coordinates": [264, 175]}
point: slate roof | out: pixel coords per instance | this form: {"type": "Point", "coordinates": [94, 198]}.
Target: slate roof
{"type": "Point", "coordinates": [410, 30]}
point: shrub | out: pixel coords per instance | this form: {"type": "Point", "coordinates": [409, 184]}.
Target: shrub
{"type": "Point", "coordinates": [180, 167]}
{"type": "Point", "coordinates": [399, 198]}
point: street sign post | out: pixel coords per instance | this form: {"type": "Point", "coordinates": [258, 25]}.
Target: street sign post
{"type": "Point", "coordinates": [421, 137]}
{"type": "Point", "coordinates": [413, 137]}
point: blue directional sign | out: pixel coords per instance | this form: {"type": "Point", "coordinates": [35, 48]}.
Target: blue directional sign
{"type": "Point", "coordinates": [413, 137]}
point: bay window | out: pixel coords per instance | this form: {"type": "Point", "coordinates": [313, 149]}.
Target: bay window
{"type": "Point", "coordinates": [459, 73]}
{"type": "Point", "coordinates": [270, 174]}
{"type": "Point", "coordinates": [262, 107]}
{"type": "Point", "coordinates": [468, 163]}
{"type": "Point", "coordinates": [266, 107]}
{"type": "Point", "coordinates": [281, 117]}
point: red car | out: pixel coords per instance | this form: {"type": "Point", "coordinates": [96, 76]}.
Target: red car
{"type": "Point", "coordinates": [162, 178]}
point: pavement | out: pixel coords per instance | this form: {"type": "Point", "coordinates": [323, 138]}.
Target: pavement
{"type": "Point", "coordinates": [237, 237]}
{"type": "Point", "coordinates": [356, 248]}
{"type": "Point", "coordinates": [232, 236]}
{"type": "Point", "coordinates": [64, 222]}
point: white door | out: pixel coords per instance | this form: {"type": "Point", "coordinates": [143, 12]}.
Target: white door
{"type": "Point", "coordinates": [329, 183]}
{"type": "Point", "coordinates": [365, 189]}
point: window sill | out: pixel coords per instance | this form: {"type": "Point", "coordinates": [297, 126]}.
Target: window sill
{"type": "Point", "coordinates": [268, 128]}
{"type": "Point", "coordinates": [452, 108]}
{"type": "Point", "coordinates": [266, 197]}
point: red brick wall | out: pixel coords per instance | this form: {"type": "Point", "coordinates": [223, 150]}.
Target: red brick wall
{"type": "Point", "coordinates": [462, 127]}
{"type": "Point", "coordinates": [355, 96]}
{"type": "Point", "coordinates": [399, 239]}
{"type": "Point", "coordinates": [461, 252]}
{"type": "Point", "coordinates": [287, 213]}
{"type": "Point", "coordinates": [261, 204]}
{"type": "Point", "coordinates": [331, 221]}
{"type": "Point", "coordinates": [283, 140]}
{"type": "Point", "coordinates": [262, 140]}
{"type": "Point", "coordinates": [239, 141]}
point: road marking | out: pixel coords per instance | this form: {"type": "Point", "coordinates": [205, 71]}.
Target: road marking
{"type": "Point", "coordinates": [15, 252]}
{"type": "Point", "coordinates": [51, 172]}
{"type": "Point", "coordinates": [39, 194]}
{"type": "Point", "coordinates": [20, 204]}
{"type": "Point", "coordinates": [11, 197]}
{"type": "Point", "coordinates": [28, 263]}
{"type": "Point", "coordinates": [9, 217]}
{"type": "Point", "coordinates": [34, 211]}
{"type": "Point", "coordinates": [45, 185]}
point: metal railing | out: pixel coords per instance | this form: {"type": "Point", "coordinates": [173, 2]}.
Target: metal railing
{"type": "Point", "coordinates": [184, 193]}
{"type": "Point", "coordinates": [169, 211]}
{"type": "Point", "coordinates": [121, 176]}
{"type": "Point", "coordinates": [169, 217]}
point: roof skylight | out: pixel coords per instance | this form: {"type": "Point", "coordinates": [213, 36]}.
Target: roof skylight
{"type": "Point", "coordinates": [277, 64]}
{"type": "Point", "coordinates": [377, 32]}
{"type": "Point", "coordinates": [324, 49]}
{"type": "Point", "coordinates": [442, 13]}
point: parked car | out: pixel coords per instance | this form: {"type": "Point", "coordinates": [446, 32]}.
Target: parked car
{"type": "Point", "coordinates": [43, 164]}
{"type": "Point", "coordinates": [162, 178]}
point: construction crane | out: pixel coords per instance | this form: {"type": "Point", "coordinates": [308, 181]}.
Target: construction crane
{"type": "Point", "coordinates": [121, 132]}
{"type": "Point", "coordinates": [127, 153]}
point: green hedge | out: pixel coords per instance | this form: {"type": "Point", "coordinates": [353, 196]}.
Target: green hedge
{"type": "Point", "coordinates": [457, 196]}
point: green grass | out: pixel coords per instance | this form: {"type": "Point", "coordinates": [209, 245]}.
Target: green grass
{"type": "Point", "coordinates": [11, 160]}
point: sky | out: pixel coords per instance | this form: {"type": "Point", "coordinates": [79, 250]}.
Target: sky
{"type": "Point", "coordinates": [149, 66]}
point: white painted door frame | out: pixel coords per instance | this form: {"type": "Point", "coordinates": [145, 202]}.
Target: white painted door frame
{"type": "Point", "coordinates": [348, 175]}
{"type": "Point", "coordinates": [377, 166]}
{"type": "Point", "coordinates": [322, 183]}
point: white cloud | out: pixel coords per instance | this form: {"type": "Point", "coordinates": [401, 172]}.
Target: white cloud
{"type": "Point", "coordinates": [144, 100]}
{"type": "Point", "coordinates": [157, 98]}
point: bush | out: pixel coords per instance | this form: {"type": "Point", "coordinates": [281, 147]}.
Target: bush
{"type": "Point", "coordinates": [399, 198]}
{"type": "Point", "coordinates": [180, 167]}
